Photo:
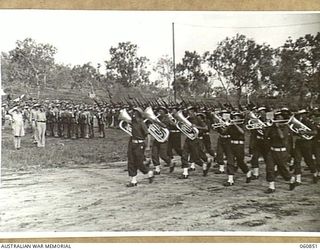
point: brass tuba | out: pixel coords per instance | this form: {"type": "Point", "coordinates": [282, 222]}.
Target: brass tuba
{"type": "Point", "coordinates": [125, 123]}
{"type": "Point", "coordinates": [299, 128]}
{"type": "Point", "coordinates": [185, 126]}
{"type": "Point", "coordinates": [159, 133]}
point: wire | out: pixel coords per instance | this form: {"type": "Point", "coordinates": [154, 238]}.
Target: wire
{"type": "Point", "coordinates": [249, 27]}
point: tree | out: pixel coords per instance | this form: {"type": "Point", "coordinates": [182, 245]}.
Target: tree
{"type": "Point", "coordinates": [164, 69]}
{"type": "Point", "coordinates": [60, 77]}
{"type": "Point", "coordinates": [126, 67]}
{"type": "Point", "coordinates": [84, 76]}
{"type": "Point", "coordinates": [241, 63]}
{"type": "Point", "coordinates": [31, 63]}
{"type": "Point", "coordinates": [298, 67]}
{"type": "Point", "coordinates": [191, 78]}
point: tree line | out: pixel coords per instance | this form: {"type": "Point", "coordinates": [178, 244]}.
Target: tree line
{"type": "Point", "coordinates": [237, 68]}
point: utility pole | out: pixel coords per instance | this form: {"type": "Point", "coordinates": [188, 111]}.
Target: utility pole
{"type": "Point", "coordinates": [174, 66]}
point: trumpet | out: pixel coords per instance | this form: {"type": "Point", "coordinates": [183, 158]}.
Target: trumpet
{"type": "Point", "coordinates": [220, 122]}
{"type": "Point", "coordinates": [299, 128]}
{"type": "Point", "coordinates": [255, 123]}
{"type": "Point", "coordinates": [159, 133]}
{"type": "Point", "coordinates": [270, 122]}
{"type": "Point", "coordinates": [125, 123]}
{"type": "Point", "coordinates": [185, 126]}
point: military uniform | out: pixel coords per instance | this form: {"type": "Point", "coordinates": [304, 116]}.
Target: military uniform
{"type": "Point", "coordinates": [223, 147]}
{"type": "Point", "coordinates": [191, 148]}
{"type": "Point", "coordinates": [73, 123]}
{"type": "Point", "coordinates": [50, 118]}
{"type": "Point", "coordinates": [136, 148]}
{"type": "Point", "coordinates": [41, 121]}
{"type": "Point", "coordinates": [303, 149]}
{"type": "Point", "coordinates": [316, 140]}
{"type": "Point", "coordinates": [160, 149]}
{"type": "Point", "coordinates": [236, 153]}
{"type": "Point", "coordinates": [206, 136]}
{"type": "Point", "coordinates": [174, 140]}
{"type": "Point", "coordinates": [84, 123]}
{"type": "Point", "coordinates": [316, 147]}
{"type": "Point", "coordinates": [101, 121]}
{"type": "Point", "coordinates": [259, 145]}
{"type": "Point", "coordinates": [278, 156]}
{"type": "Point", "coordinates": [56, 122]}
{"type": "Point", "coordinates": [33, 114]}
{"type": "Point", "coordinates": [66, 122]}
{"type": "Point", "coordinates": [17, 126]}
{"type": "Point", "coordinates": [91, 123]}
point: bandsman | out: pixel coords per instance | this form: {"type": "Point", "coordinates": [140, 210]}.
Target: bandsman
{"type": "Point", "coordinates": [303, 147]}
{"type": "Point", "coordinates": [160, 149]}
{"type": "Point", "coordinates": [278, 156]}
{"type": "Point", "coordinates": [174, 136]}
{"type": "Point", "coordinates": [259, 144]}
{"type": "Point", "coordinates": [191, 147]}
{"type": "Point", "coordinates": [223, 144]}
{"type": "Point", "coordinates": [236, 132]}
{"type": "Point", "coordinates": [136, 148]}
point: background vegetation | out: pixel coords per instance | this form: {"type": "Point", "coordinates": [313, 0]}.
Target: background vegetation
{"type": "Point", "coordinates": [236, 70]}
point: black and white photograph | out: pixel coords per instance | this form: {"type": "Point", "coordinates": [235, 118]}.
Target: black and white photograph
{"type": "Point", "coordinates": [160, 122]}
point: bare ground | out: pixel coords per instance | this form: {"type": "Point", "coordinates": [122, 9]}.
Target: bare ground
{"type": "Point", "coordinates": [73, 197]}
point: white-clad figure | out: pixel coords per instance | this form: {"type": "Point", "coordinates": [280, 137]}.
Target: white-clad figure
{"type": "Point", "coordinates": [33, 114]}
{"type": "Point", "coordinates": [41, 121]}
{"type": "Point", "coordinates": [17, 126]}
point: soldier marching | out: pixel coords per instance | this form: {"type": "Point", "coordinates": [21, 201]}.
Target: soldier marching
{"type": "Point", "coordinates": [285, 137]}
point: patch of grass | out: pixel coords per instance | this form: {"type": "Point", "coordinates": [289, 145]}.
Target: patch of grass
{"type": "Point", "coordinates": [62, 152]}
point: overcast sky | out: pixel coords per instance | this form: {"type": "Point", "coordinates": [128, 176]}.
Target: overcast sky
{"type": "Point", "coordinates": [86, 36]}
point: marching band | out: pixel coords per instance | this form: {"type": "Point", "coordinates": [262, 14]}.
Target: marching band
{"type": "Point", "coordinates": [278, 139]}
{"type": "Point", "coordinates": [282, 137]}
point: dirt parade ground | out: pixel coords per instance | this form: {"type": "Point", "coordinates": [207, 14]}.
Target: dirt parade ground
{"type": "Point", "coordinates": [79, 186]}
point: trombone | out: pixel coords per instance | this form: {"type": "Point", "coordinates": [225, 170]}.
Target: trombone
{"type": "Point", "coordinates": [255, 123]}
{"type": "Point", "coordinates": [235, 122]}
{"type": "Point", "coordinates": [220, 124]}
